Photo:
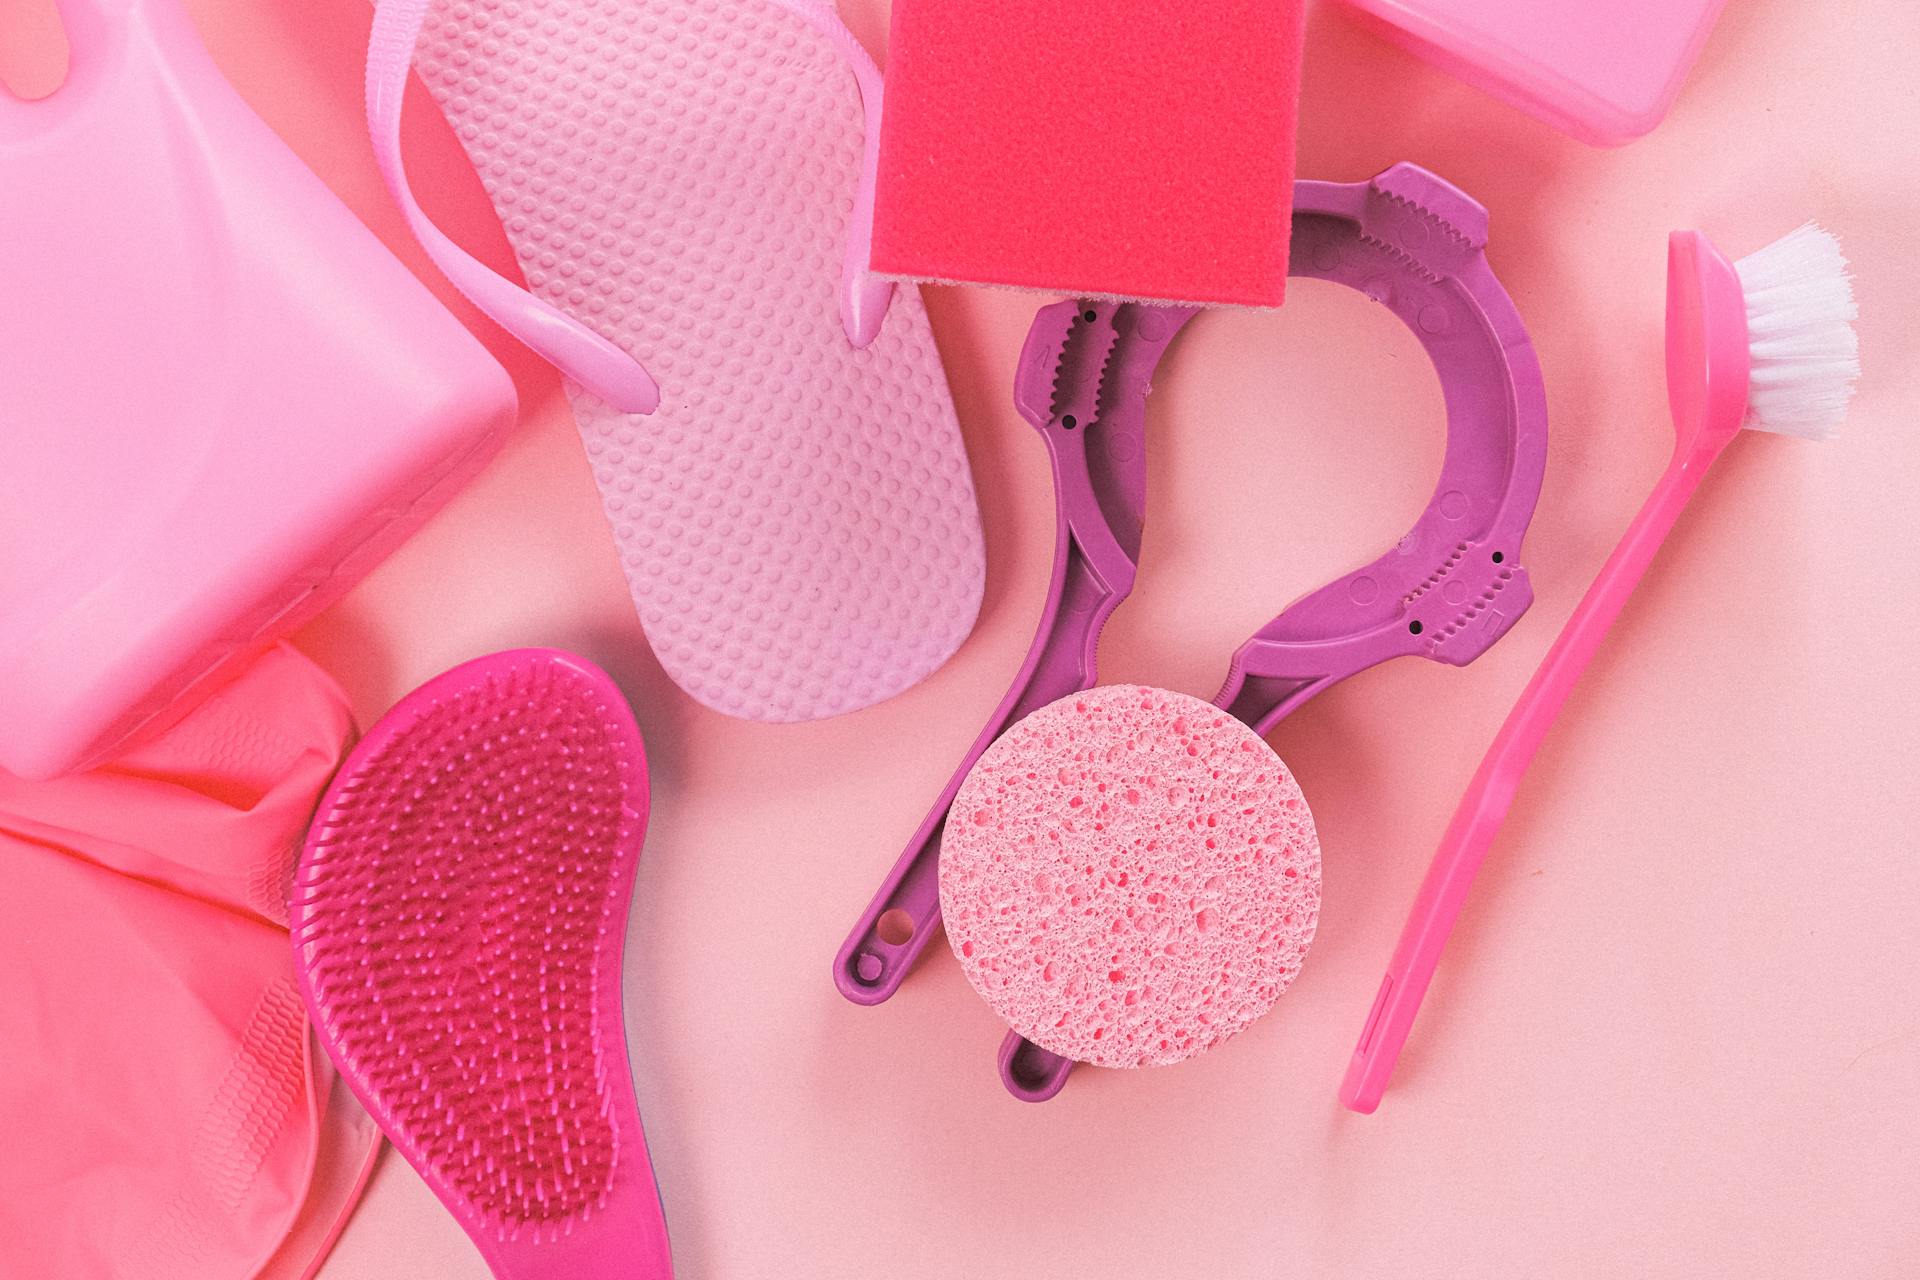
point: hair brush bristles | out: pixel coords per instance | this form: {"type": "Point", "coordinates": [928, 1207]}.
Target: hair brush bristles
{"type": "Point", "coordinates": [458, 917]}
{"type": "Point", "coordinates": [1800, 313]}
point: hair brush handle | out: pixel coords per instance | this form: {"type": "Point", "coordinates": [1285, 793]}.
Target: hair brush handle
{"type": "Point", "coordinates": [628, 1241]}
{"type": "Point", "coordinates": [1490, 795]}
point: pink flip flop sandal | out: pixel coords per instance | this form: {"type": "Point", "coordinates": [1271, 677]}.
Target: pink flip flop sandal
{"type": "Point", "coordinates": [688, 183]}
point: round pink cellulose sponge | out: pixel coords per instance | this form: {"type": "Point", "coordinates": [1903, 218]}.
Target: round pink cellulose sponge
{"type": "Point", "coordinates": [1130, 876]}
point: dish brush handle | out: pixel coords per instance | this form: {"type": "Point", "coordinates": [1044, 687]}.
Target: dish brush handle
{"type": "Point", "coordinates": [1490, 795]}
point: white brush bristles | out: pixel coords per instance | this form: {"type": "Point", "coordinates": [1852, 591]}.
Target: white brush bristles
{"type": "Point", "coordinates": [1800, 314]}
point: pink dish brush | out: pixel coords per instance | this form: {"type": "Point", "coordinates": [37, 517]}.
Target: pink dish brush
{"type": "Point", "coordinates": [1767, 343]}
{"type": "Point", "coordinates": [458, 916]}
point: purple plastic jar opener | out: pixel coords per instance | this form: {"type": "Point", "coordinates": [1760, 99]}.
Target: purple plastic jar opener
{"type": "Point", "coordinates": [1447, 591]}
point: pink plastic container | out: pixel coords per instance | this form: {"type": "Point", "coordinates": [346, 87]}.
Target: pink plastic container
{"type": "Point", "coordinates": [221, 399]}
{"type": "Point", "coordinates": [1605, 73]}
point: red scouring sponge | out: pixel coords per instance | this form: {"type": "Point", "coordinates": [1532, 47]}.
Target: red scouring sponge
{"type": "Point", "coordinates": [1116, 148]}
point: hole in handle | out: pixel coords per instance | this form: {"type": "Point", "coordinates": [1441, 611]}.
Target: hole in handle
{"type": "Point", "coordinates": [895, 927]}
{"type": "Point", "coordinates": [1034, 1075]}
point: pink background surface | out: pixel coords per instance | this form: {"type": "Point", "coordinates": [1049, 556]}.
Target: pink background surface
{"type": "Point", "coordinates": [1678, 1032]}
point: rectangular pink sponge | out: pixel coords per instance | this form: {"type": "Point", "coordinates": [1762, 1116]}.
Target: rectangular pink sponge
{"type": "Point", "coordinates": [1129, 148]}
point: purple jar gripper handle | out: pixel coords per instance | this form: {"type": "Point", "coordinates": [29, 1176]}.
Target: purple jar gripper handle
{"type": "Point", "coordinates": [1447, 591]}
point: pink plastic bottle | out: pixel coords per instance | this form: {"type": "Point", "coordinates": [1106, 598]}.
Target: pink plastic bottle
{"type": "Point", "coordinates": [1605, 73]}
{"type": "Point", "coordinates": [221, 399]}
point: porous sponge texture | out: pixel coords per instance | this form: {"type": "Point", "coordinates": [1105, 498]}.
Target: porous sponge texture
{"type": "Point", "coordinates": [797, 521]}
{"type": "Point", "coordinates": [458, 916]}
{"type": "Point", "coordinates": [1119, 148]}
{"type": "Point", "coordinates": [1130, 876]}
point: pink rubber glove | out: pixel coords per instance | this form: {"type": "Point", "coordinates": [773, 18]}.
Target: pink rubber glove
{"type": "Point", "coordinates": [163, 1109]}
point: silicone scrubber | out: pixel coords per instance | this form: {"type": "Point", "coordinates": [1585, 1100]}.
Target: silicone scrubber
{"type": "Point", "coordinates": [1133, 877]}
{"type": "Point", "coordinates": [1103, 148]}
{"type": "Point", "coordinates": [796, 519]}
{"type": "Point", "coordinates": [222, 400]}
{"type": "Point", "coordinates": [458, 917]}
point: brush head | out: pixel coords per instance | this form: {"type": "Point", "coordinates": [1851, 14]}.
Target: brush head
{"type": "Point", "coordinates": [1804, 354]}
{"type": "Point", "coordinates": [1130, 876]}
{"type": "Point", "coordinates": [458, 916]}
{"type": "Point", "coordinates": [1767, 342]}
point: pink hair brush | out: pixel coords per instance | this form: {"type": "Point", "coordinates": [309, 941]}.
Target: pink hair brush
{"type": "Point", "coordinates": [458, 917]}
{"type": "Point", "coordinates": [1767, 343]}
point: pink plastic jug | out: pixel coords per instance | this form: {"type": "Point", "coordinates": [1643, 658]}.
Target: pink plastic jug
{"type": "Point", "coordinates": [222, 399]}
